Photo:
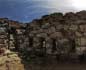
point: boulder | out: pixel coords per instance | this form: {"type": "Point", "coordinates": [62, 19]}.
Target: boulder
{"type": "Point", "coordinates": [10, 61]}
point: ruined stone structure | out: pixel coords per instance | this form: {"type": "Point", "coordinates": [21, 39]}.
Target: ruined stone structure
{"type": "Point", "coordinates": [54, 34]}
{"type": "Point", "coordinates": [8, 60]}
{"type": "Point", "coordinates": [58, 33]}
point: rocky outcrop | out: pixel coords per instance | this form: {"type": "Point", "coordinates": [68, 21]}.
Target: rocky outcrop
{"type": "Point", "coordinates": [54, 34]}
{"type": "Point", "coordinates": [66, 31]}
{"type": "Point", "coordinates": [10, 61]}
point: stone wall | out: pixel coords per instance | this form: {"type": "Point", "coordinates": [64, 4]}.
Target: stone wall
{"type": "Point", "coordinates": [8, 60]}
{"type": "Point", "coordinates": [53, 34]}
{"type": "Point", "coordinates": [57, 32]}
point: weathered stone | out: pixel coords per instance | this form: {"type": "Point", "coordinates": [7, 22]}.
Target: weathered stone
{"type": "Point", "coordinates": [44, 35]}
{"type": "Point", "coordinates": [45, 25]}
{"type": "Point", "coordinates": [84, 34]}
{"type": "Point", "coordinates": [80, 50]}
{"type": "Point", "coordinates": [78, 34]}
{"type": "Point", "coordinates": [82, 28]}
{"type": "Point", "coordinates": [11, 61]}
{"type": "Point", "coordinates": [56, 35]}
{"type": "Point", "coordinates": [81, 41]}
{"type": "Point", "coordinates": [73, 27]}
{"type": "Point", "coordinates": [52, 30]}
{"type": "Point", "coordinates": [58, 27]}
{"type": "Point", "coordinates": [66, 27]}
{"type": "Point", "coordinates": [81, 15]}
{"type": "Point", "coordinates": [55, 31]}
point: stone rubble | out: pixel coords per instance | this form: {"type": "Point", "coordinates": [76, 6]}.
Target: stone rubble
{"type": "Point", "coordinates": [10, 61]}
{"type": "Point", "coordinates": [56, 33]}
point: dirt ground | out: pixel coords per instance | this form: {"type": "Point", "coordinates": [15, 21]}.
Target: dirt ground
{"type": "Point", "coordinates": [54, 65]}
{"type": "Point", "coordinates": [57, 67]}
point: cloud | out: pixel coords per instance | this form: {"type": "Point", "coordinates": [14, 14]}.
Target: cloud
{"type": "Point", "coordinates": [79, 4]}
{"type": "Point", "coordinates": [59, 5]}
{"type": "Point", "coordinates": [54, 5]}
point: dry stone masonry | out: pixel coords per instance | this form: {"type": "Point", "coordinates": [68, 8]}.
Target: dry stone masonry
{"type": "Point", "coordinates": [58, 33]}
{"type": "Point", "coordinates": [55, 34]}
{"type": "Point", "coordinates": [8, 60]}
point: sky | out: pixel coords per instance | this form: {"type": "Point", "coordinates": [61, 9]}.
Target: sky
{"type": "Point", "coordinates": [27, 10]}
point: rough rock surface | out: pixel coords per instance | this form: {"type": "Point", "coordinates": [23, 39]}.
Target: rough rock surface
{"type": "Point", "coordinates": [10, 61]}
{"type": "Point", "coordinates": [54, 34]}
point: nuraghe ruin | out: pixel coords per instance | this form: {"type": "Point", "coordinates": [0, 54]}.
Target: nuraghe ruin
{"type": "Point", "coordinates": [54, 34]}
